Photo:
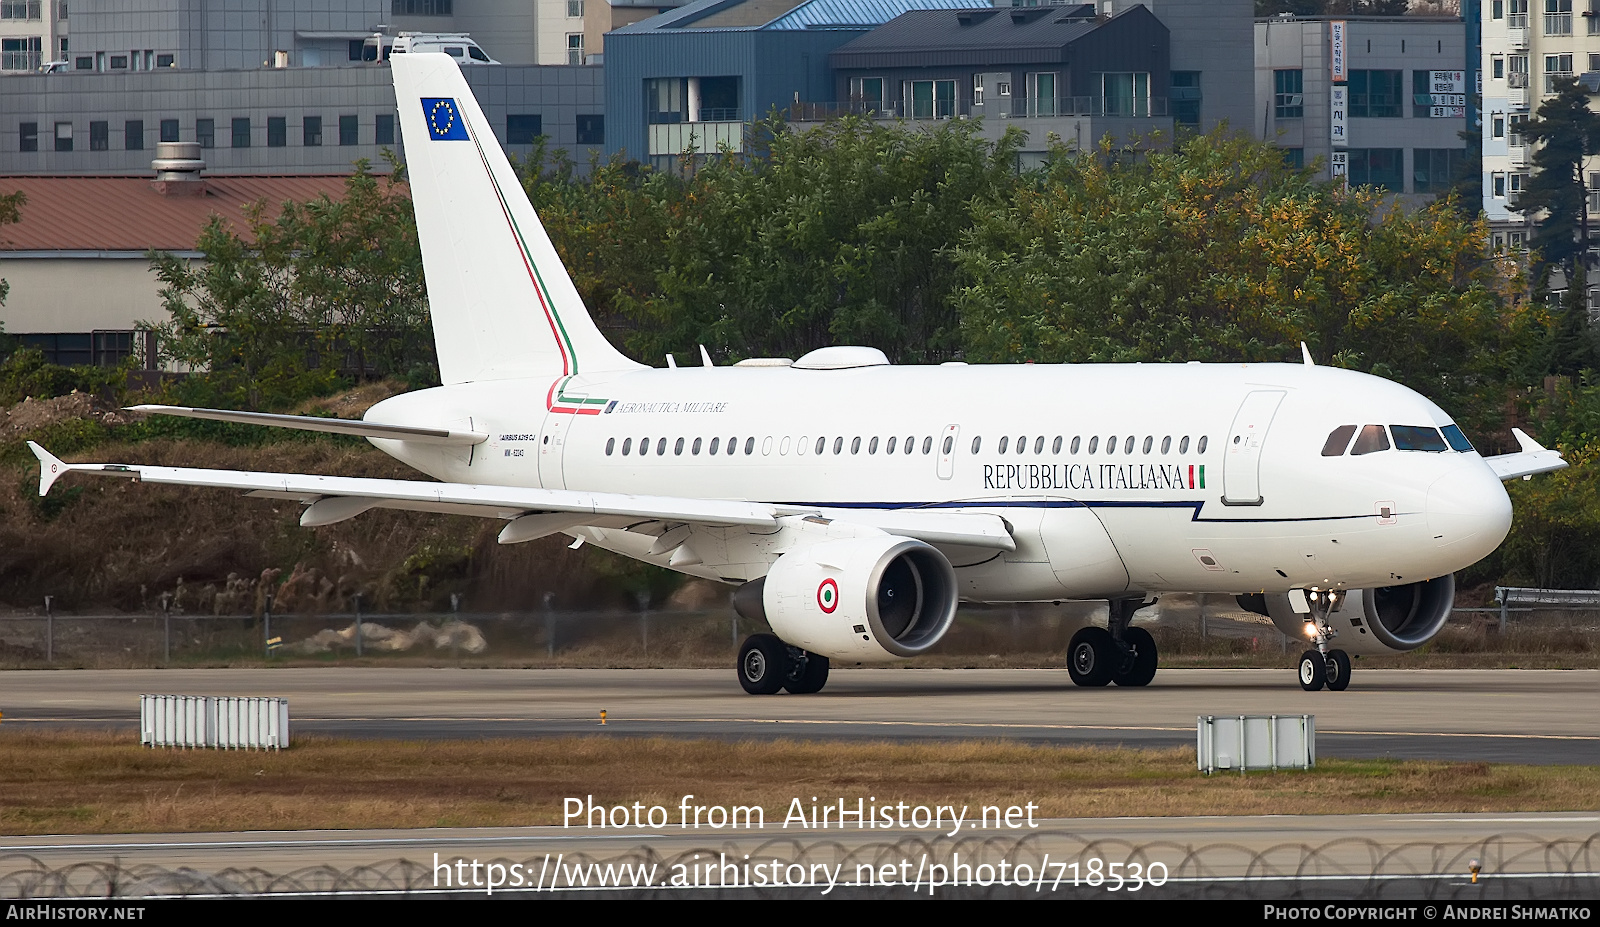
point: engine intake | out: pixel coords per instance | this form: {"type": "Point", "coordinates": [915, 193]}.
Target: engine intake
{"type": "Point", "coordinates": [867, 599]}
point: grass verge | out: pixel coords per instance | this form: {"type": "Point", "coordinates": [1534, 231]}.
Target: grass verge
{"type": "Point", "coordinates": [88, 782]}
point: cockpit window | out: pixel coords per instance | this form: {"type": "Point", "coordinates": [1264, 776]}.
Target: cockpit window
{"type": "Point", "coordinates": [1338, 440]}
{"type": "Point", "coordinates": [1417, 438]}
{"type": "Point", "coordinates": [1452, 433]}
{"type": "Point", "coordinates": [1371, 440]}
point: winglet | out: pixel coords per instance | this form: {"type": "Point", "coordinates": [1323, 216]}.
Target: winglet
{"type": "Point", "coordinates": [705, 357]}
{"type": "Point", "coordinates": [50, 467]}
{"type": "Point", "coordinates": [1528, 445]}
{"type": "Point", "coordinates": [1305, 352]}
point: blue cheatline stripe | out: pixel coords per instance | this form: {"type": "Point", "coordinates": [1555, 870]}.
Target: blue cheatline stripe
{"type": "Point", "coordinates": [1072, 504]}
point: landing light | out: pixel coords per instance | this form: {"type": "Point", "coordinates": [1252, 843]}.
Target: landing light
{"type": "Point", "coordinates": [1311, 629]}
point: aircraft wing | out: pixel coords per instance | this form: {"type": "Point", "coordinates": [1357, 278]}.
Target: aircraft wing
{"type": "Point", "coordinates": [1533, 458]}
{"type": "Point", "coordinates": [532, 512]}
{"type": "Point", "coordinates": [338, 426]}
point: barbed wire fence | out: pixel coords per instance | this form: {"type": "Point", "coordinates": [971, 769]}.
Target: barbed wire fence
{"type": "Point", "coordinates": [1511, 867]}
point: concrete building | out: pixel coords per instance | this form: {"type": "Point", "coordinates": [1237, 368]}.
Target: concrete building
{"type": "Point", "coordinates": [32, 32]}
{"type": "Point", "coordinates": [78, 262]}
{"type": "Point", "coordinates": [697, 75]}
{"type": "Point", "coordinates": [271, 120]}
{"type": "Point", "coordinates": [1524, 53]}
{"type": "Point", "coordinates": [1381, 100]}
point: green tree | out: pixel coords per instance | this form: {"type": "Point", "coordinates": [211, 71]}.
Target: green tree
{"type": "Point", "coordinates": [832, 235]}
{"type": "Point", "coordinates": [1218, 251]}
{"type": "Point", "coordinates": [283, 311]}
{"type": "Point", "coordinates": [10, 212]}
{"type": "Point", "coordinates": [1566, 133]}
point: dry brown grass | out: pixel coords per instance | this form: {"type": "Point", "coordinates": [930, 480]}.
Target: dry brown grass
{"type": "Point", "coordinates": [75, 782]}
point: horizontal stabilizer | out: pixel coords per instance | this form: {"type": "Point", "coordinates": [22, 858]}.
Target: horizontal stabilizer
{"type": "Point", "coordinates": [337, 426]}
{"type": "Point", "coordinates": [1533, 458]}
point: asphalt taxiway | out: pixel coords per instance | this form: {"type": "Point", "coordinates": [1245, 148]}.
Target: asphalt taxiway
{"type": "Point", "coordinates": [1525, 716]}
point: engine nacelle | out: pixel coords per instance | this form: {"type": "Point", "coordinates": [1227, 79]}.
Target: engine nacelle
{"type": "Point", "coordinates": [861, 600]}
{"type": "Point", "coordinates": [1391, 619]}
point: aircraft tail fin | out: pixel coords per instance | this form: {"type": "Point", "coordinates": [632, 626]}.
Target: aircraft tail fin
{"type": "Point", "coordinates": [503, 305]}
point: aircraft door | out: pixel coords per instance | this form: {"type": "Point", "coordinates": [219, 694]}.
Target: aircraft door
{"type": "Point", "coordinates": [947, 451]}
{"type": "Point", "coordinates": [552, 441]}
{"type": "Point", "coordinates": [1241, 461]}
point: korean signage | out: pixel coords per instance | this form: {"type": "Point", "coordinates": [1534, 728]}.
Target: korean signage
{"type": "Point", "coordinates": [1336, 51]}
{"type": "Point", "coordinates": [1338, 111]}
{"type": "Point", "coordinates": [1339, 166]}
{"type": "Point", "coordinates": [1447, 94]}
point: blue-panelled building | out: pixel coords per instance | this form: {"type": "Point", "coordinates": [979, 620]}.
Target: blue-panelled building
{"type": "Point", "coordinates": [694, 77]}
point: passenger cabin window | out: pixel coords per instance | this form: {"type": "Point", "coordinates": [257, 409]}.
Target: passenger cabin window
{"type": "Point", "coordinates": [1338, 440]}
{"type": "Point", "coordinates": [1452, 433]}
{"type": "Point", "coordinates": [927, 444]}
{"type": "Point", "coordinates": [715, 443]}
{"type": "Point", "coordinates": [1149, 441]}
{"type": "Point", "coordinates": [1166, 444]}
{"type": "Point", "coordinates": [889, 448]}
{"type": "Point", "coordinates": [1111, 445]}
{"type": "Point", "coordinates": [1075, 440]}
{"type": "Point", "coordinates": [838, 445]}
{"type": "Point", "coordinates": [733, 445]}
{"type": "Point", "coordinates": [1038, 444]}
{"type": "Point", "coordinates": [978, 442]}
{"type": "Point", "coordinates": [855, 446]}
{"type": "Point", "coordinates": [695, 449]}
{"type": "Point", "coordinates": [678, 448]}
{"type": "Point", "coordinates": [1201, 447]}
{"type": "Point", "coordinates": [661, 447]}
{"type": "Point", "coordinates": [1127, 445]}
{"type": "Point", "coordinates": [1371, 440]}
{"type": "Point", "coordinates": [1183, 445]}
{"type": "Point", "coordinates": [821, 444]}
{"type": "Point", "coordinates": [750, 446]}
{"type": "Point", "coordinates": [1055, 446]}
{"type": "Point", "coordinates": [644, 446]}
{"type": "Point", "coordinates": [1417, 438]}
{"type": "Point", "coordinates": [911, 443]}
{"type": "Point", "coordinates": [627, 445]}
{"type": "Point", "coordinates": [949, 444]}
{"type": "Point", "coordinates": [1094, 443]}
{"type": "Point", "coordinates": [1022, 444]}
{"type": "Point", "coordinates": [1003, 443]}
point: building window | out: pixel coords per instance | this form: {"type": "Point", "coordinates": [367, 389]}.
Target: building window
{"type": "Point", "coordinates": [119, 62]}
{"type": "Point", "coordinates": [1126, 94]}
{"type": "Point", "coordinates": [1383, 168]}
{"type": "Point", "coordinates": [277, 131]}
{"type": "Point", "coordinates": [1497, 67]}
{"type": "Point", "coordinates": [1517, 121]}
{"type": "Point", "coordinates": [83, 63]}
{"type": "Point", "coordinates": [383, 131]}
{"type": "Point", "coordinates": [349, 130]}
{"type": "Point", "coordinates": [165, 61]}
{"type": "Point", "coordinates": [1185, 96]}
{"type": "Point", "coordinates": [1498, 9]}
{"type": "Point", "coordinates": [28, 136]}
{"type": "Point", "coordinates": [1556, 67]}
{"type": "Point", "coordinates": [1041, 93]}
{"type": "Point", "coordinates": [1499, 186]}
{"type": "Point", "coordinates": [19, 9]}
{"type": "Point", "coordinates": [931, 99]}
{"type": "Point", "coordinates": [575, 9]}
{"type": "Point", "coordinates": [575, 48]}
{"type": "Point", "coordinates": [24, 54]}
{"type": "Point", "coordinates": [312, 136]}
{"type": "Point", "coordinates": [169, 130]}
{"type": "Point", "coordinates": [1288, 101]}
{"type": "Point", "coordinates": [1295, 158]}
{"type": "Point", "coordinates": [1375, 94]}
{"type": "Point", "coordinates": [1497, 125]}
{"type": "Point", "coordinates": [591, 129]}
{"type": "Point", "coordinates": [523, 129]}
{"type": "Point", "coordinates": [241, 132]}
{"type": "Point", "coordinates": [1557, 17]}
{"type": "Point", "coordinates": [63, 136]}
{"type": "Point", "coordinates": [664, 100]}
{"type": "Point", "coordinates": [99, 135]}
{"type": "Point", "coordinates": [867, 90]}
{"type": "Point", "coordinates": [1433, 169]}
{"type": "Point", "coordinates": [133, 135]}
{"type": "Point", "coordinates": [421, 7]}
{"type": "Point", "coordinates": [205, 132]}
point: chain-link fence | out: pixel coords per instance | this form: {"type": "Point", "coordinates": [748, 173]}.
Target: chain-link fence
{"type": "Point", "coordinates": [1195, 626]}
{"type": "Point", "coordinates": [1060, 864]}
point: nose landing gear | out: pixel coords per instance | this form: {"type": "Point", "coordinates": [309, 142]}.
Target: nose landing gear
{"type": "Point", "coordinates": [1322, 666]}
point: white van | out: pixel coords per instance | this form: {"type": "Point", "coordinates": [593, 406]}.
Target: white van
{"type": "Point", "coordinates": [457, 45]}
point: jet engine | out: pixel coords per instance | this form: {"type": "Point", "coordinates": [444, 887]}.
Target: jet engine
{"type": "Point", "coordinates": [1390, 619]}
{"type": "Point", "coordinates": [863, 600]}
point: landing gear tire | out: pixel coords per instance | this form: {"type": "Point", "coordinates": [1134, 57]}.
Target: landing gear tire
{"type": "Point", "coordinates": [1139, 665]}
{"type": "Point", "coordinates": [763, 664]}
{"type": "Point", "coordinates": [807, 674]}
{"type": "Point", "coordinates": [1313, 671]}
{"type": "Point", "coordinates": [1338, 667]}
{"type": "Point", "coordinates": [1093, 657]}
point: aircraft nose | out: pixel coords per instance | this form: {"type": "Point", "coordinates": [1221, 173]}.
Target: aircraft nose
{"type": "Point", "coordinates": [1468, 508]}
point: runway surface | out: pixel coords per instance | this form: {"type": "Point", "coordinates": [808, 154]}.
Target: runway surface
{"type": "Point", "coordinates": [1524, 716]}
{"type": "Point", "coordinates": [1523, 855]}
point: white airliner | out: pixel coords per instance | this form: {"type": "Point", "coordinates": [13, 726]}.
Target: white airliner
{"type": "Point", "coordinates": [854, 503]}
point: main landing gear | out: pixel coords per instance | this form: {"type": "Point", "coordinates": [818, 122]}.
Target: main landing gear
{"type": "Point", "coordinates": [1322, 666]}
{"type": "Point", "coordinates": [1118, 653]}
{"type": "Point", "coordinates": [767, 664]}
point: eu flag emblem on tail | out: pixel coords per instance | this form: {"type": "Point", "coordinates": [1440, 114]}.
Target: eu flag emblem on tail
{"type": "Point", "coordinates": [444, 119]}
